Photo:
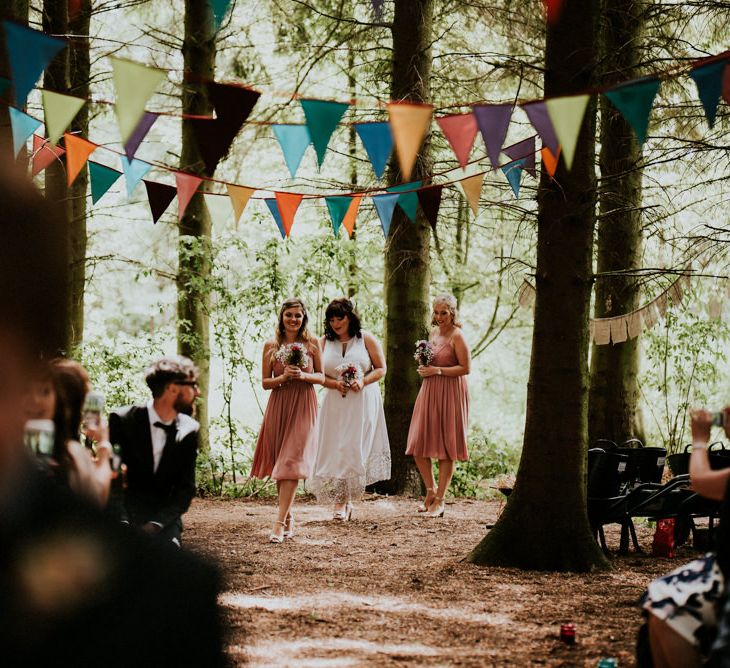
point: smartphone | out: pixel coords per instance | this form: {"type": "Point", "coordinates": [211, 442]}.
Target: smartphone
{"type": "Point", "coordinates": [93, 408]}
{"type": "Point", "coordinates": [39, 437]}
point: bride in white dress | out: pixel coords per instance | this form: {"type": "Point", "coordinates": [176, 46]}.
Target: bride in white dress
{"type": "Point", "coordinates": [354, 450]}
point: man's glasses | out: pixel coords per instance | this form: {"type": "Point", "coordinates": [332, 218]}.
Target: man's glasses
{"type": "Point", "coordinates": [189, 383]}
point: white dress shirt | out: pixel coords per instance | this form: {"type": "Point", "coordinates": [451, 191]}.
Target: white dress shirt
{"type": "Point", "coordinates": [158, 434]}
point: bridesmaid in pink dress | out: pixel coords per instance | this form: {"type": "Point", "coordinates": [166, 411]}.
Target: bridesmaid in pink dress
{"type": "Point", "coordinates": [287, 441]}
{"type": "Point", "coordinates": [441, 413]}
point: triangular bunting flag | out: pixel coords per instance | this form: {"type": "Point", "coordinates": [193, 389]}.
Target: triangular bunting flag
{"type": "Point", "coordinates": [134, 85]}
{"type": "Point", "coordinates": [134, 171]}
{"type": "Point", "coordinates": [493, 122]}
{"type": "Point", "coordinates": [550, 160]}
{"type": "Point", "coordinates": [408, 201]}
{"type": "Point", "coordinates": [219, 209]}
{"type": "Point", "coordinates": [139, 133]}
{"type": "Point", "coordinates": [430, 199]}
{"type": "Point", "coordinates": [377, 139]}
{"type": "Point", "coordinates": [239, 196]}
{"type": "Point", "coordinates": [288, 204]}
{"type": "Point", "coordinates": [472, 190]}
{"type": "Point", "coordinates": [348, 222]}
{"type": "Point", "coordinates": [378, 9]}
{"type": "Point", "coordinates": [709, 80]}
{"type": "Point", "coordinates": [220, 9]}
{"type": "Point", "coordinates": [338, 207]}
{"type": "Point", "coordinates": [44, 154]}
{"type": "Point", "coordinates": [726, 84]}
{"type": "Point", "coordinates": [294, 140]}
{"type": "Point", "coordinates": [634, 100]}
{"type": "Point", "coordinates": [524, 150]}
{"type": "Point", "coordinates": [187, 186]}
{"type": "Point", "coordinates": [322, 119]}
{"type": "Point", "coordinates": [274, 208]}
{"type": "Point", "coordinates": [23, 126]}
{"type": "Point", "coordinates": [552, 10]}
{"type": "Point", "coordinates": [78, 151]}
{"type": "Point", "coordinates": [29, 53]}
{"type": "Point", "coordinates": [460, 131]}
{"type": "Point", "coordinates": [566, 115]}
{"type": "Point", "coordinates": [59, 110]}
{"type": "Point", "coordinates": [513, 172]}
{"type": "Point", "coordinates": [159, 195]}
{"type": "Point", "coordinates": [409, 123]}
{"type": "Point", "coordinates": [102, 178]}
{"type": "Point", "coordinates": [385, 205]}
{"type": "Point", "coordinates": [538, 115]}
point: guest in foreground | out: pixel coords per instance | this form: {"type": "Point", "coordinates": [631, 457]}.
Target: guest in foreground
{"type": "Point", "coordinates": [353, 447]}
{"type": "Point", "coordinates": [441, 413]}
{"type": "Point", "coordinates": [287, 441]}
{"type": "Point", "coordinates": [159, 446]}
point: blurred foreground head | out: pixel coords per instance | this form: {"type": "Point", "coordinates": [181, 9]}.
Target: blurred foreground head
{"type": "Point", "coordinates": [32, 295]}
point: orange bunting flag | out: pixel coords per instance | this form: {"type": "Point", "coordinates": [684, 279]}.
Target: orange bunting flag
{"type": "Point", "coordinates": [44, 154]}
{"type": "Point", "coordinates": [472, 188]}
{"type": "Point", "coordinates": [348, 222]}
{"type": "Point", "coordinates": [550, 160]}
{"type": "Point", "coordinates": [78, 151]}
{"type": "Point", "coordinates": [409, 123]}
{"type": "Point", "coordinates": [239, 198]}
{"type": "Point", "coordinates": [287, 203]}
{"type": "Point", "coordinates": [187, 186]}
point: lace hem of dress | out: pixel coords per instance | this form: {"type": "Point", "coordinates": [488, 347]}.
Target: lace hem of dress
{"type": "Point", "coordinates": [341, 489]}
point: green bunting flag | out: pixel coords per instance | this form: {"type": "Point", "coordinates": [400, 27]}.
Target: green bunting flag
{"type": "Point", "coordinates": [22, 126]}
{"type": "Point", "coordinates": [566, 115]}
{"type": "Point", "coordinates": [338, 207]}
{"type": "Point", "coordinates": [102, 178]}
{"type": "Point", "coordinates": [322, 119]}
{"type": "Point", "coordinates": [408, 201]}
{"type": "Point", "coordinates": [709, 81]}
{"type": "Point", "coordinates": [220, 9]}
{"type": "Point", "coordinates": [134, 85]}
{"type": "Point", "coordinates": [634, 100]}
{"type": "Point", "coordinates": [59, 110]}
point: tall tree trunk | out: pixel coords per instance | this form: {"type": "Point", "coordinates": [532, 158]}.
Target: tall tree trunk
{"type": "Point", "coordinates": [194, 265]}
{"type": "Point", "coordinates": [16, 10]}
{"type": "Point", "coordinates": [614, 394]}
{"type": "Point", "coordinates": [407, 262]}
{"type": "Point", "coordinates": [545, 525]}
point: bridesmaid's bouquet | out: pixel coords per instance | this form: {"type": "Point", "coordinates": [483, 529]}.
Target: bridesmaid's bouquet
{"type": "Point", "coordinates": [348, 374]}
{"type": "Point", "coordinates": [292, 354]}
{"type": "Point", "coordinates": [424, 353]}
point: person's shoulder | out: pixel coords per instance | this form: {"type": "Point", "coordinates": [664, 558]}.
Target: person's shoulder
{"type": "Point", "coordinates": [187, 425]}
{"type": "Point", "coordinates": [127, 412]}
{"type": "Point", "coordinates": [368, 336]}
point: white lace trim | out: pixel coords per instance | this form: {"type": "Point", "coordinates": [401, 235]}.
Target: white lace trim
{"type": "Point", "coordinates": [353, 487]}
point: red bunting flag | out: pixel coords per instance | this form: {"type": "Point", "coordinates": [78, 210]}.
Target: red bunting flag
{"type": "Point", "coordinates": [287, 203]}
{"type": "Point", "coordinates": [187, 186]}
{"type": "Point", "coordinates": [460, 130]}
{"type": "Point", "coordinates": [44, 154]}
{"type": "Point", "coordinates": [78, 151]}
{"type": "Point", "coordinates": [552, 10]}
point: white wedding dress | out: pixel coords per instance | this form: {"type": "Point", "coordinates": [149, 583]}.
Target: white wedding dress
{"type": "Point", "coordinates": [354, 450]}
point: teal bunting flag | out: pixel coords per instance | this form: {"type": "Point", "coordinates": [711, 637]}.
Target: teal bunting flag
{"type": "Point", "coordinates": [134, 172]}
{"type": "Point", "coordinates": [102, 178]}
{"type": "Point", "coordinates": [338, 207]}
{"type": "Point", "coordinates": [634, 100]}
{"type": "Point", "coordinates": [274, 208]}
{"type": "Point", "coordinates": [513, 172]}
{"type": "Point", "coordinates": [709, 80]}
{"type": "Point", "coordinates": [408, 201]}
{"type": "Point", "coordinates": [377, 139]}
{"type": "Point", "coordinates": [294, 140]}
{"type": "Point", "coordinates": [220, 9]}
{"type": "Point", "coordinates": [23, 126]}
{"type": "Point", "coordinates": [385, 205]}
{"type": "Point", "coordinates": [322, 119]}
{"type": "Point", "coordinates": [29, 53]}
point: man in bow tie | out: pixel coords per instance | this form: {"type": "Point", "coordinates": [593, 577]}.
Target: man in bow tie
{"type": "Point", "coordinates": [159, 446]}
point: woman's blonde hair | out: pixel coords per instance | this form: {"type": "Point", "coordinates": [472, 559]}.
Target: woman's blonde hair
{"type": "Point", "coordinates": [303, 333]}
{"type": "Point", "coordinates": [450, 302]}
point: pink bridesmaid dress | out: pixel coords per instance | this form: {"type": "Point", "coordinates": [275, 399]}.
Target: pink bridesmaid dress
{"type": "Point", "coordinates": [287, 443]}
{"type": "Point", "coordinates": [441, 413]}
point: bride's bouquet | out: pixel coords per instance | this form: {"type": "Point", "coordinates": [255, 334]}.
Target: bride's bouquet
{"type": "Point", "coordinates": [348, 373]}
{"type": "Point", "coordinates": [424, 353]}
{"type": "Point", "coordinates": [292, 354]}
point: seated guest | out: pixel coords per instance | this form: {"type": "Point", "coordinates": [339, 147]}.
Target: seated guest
{"type": "Point", "coordinates": [159, 446]}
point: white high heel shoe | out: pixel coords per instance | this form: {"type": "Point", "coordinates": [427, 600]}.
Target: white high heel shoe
{"type": "Point", "coordinates": [422, 507]}
{"type": "Point", "coordinates": [439, 511]}
{"type": "Point", "coordinates": [275, 538]}
{"type": "Point", "coordinates": [343, 515]}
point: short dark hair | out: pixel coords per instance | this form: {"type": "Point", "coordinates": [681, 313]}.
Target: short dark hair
{"type": "Point", "coordinates": [339, 308]}
{"type": "Point", "coordinates": [173, 369]}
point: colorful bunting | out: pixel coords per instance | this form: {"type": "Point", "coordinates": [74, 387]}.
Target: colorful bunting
{"type": "Point", "coordinates": [493, 122]}
{"type": "Point", "coordinates": [134, 85]}
{"type": "Point", "coordinates": [513, 172]}
{"type": "Point", "coordinates": [78, 151]}
{"type": "Point", "coordinates": [239, 196]}
{"type": "Point", "coordinates": [338, 207]}
{"type": "Point", "coordinates": [220, 9]}
{"type": "Point", "coordinates": [44, 154]}
{"type": "Point", "coordinates": [219, 210]}
{"type": "Point", "coordinates": [385, 205]}
{"type": "Point", "coordinates": [134, 171]}
{"type": "Point", "coordinates": [460, 130]}
{"type": "Point", "coordinates": [187, 186]}
{"type": "Point", "coordinates": [59, 110]}
{"type": "Point", "coordinates": [408, 201]}
{"type": "Point", "coordinates": [274, 208]}
{"type": "Point", "coordinates": [139, 133]}
{"type": "Point", "coordinates": [538, 115]}
{"type": "Point", "coordinates": [159, 195]}
{"type": "Point", "coordinates": [377, 139]}
{"type": "Point", "coordinates": [348, 222]}
{"type": "Point", "coordinates": [29, 53]}
{"type": "Point", "coordinates": [634, 100]}
{"type": "Point", "coordinates": [288, 204]}
{"type": "Point", "coordinates": [550, 160]}
{"type": "Point", "coordinates": [23, 126]}
{"type": "Point", "coordinates": [472, 188]}
{"type": "Point", "coordinates": [566, 115]}
{"type": "Point", "coordinates": [322, 119]}
{"type": "Point", "coordinates": [102, 178]}
{"type": "Point", "coordinates": [430, 199]}
{"type": "Point", "coordinates": [709, 81]}
{"type": "Point", "coordinates": [409, 123]}
{"type": "Point", "coordinates": [294, 140]}
{"type": "Point", "coordinates": [524, 150]}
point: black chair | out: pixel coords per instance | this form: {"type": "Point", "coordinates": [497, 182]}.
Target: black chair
{"type": "Point", "coordinates": [679, 461]}
{"type": "Point", "coordinates": [606, 482]}
{"type": "Point", "coordinates": [646, 464]}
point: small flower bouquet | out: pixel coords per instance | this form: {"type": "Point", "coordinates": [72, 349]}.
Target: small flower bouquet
{"type": "Point", "coordinates": [292, 354]}
{"type": "Point", "coordinates": [349, 373]}
{"type": "Point", "coordinates": [424, 353]}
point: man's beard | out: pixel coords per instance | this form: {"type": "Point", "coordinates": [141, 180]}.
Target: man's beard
{"type": "Point", "coordinates": [181, 406]}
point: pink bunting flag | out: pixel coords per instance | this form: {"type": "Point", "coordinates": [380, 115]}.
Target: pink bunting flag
{"type": "Point", "coordinates": [460, 131]}
{"type": "Point", "coordinates": [44, 154]}
{"type": "Point", "coordinates": [187, 186]}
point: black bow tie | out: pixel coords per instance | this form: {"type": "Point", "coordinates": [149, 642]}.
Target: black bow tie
{"type": "Point", "coordinates": [169, 428]}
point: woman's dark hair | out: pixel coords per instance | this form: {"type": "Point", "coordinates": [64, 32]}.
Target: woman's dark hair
{"type": "Point", "coordinates": [339, 308]}
{"type": "Point", "coordinates": [71, 383]}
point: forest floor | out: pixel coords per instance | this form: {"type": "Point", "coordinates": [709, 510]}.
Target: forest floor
{"type": "Point", "coordinates": [390, 588]}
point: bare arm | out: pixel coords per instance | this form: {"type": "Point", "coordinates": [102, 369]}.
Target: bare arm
{"type": "Point", "coordinates": [317, 375]}
{"type": "Point", "coordinates": [463, 357]}
{"type": "Point", "coordinates": [377, 357]}
{"type": "Point", "coordinates": [710, 484]}
{"type": "Point", "coordinates": [269, 382]}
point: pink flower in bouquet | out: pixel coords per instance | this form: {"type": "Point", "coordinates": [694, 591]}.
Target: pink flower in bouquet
{"type": "Point", "coordinates": [349, 373]}
{"type": "Point", "coordinates": [424, 353]}
{"type": "Point", "coordinates": [292, 354]}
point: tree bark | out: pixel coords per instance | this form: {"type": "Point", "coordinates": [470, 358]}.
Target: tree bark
{"type": "Point", "coordinates": [407, 262]}
{"type": "Point", "coordinates": [16, 10]}
{"type": "Point", "coordinates": [614, 392]}
{"type": "Point", "coordinates": [544, 525]}
{"type": "Point", "coordinates": [194, 265]}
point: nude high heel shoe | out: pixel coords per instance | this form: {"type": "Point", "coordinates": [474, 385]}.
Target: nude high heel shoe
{"type": "Point", "coordinates": [422, 507]}
{"type": "Point", "coordinates": [275, 538]}
{"type": "Point", "coordinates": [438, 511]}
{"type": "Point", "coordinates": [289, 526]}
{"type": "Point", "coordinates": [343, 515]}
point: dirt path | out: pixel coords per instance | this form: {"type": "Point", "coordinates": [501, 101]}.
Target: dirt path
{"type": "Point", "coordinates": [389, 589]}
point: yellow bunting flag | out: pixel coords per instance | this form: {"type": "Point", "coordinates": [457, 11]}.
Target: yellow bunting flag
{"type": "Point", "coordinates": [59, 110]}
{"type": "Point", "coordinates": [239, 196]}
{"type": "Point", "coordinates": [348, 222]}
{"type": "Point", "coordinates": [409, 123]}
{"type": "Point", "coordinates": [566, 115]}
{"type": "Point", "coordinates": [134, 85]}
{"type": "Point", "coordinates": [472, 188]}
{"type": "Point", "coordinates": [78, 151]}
